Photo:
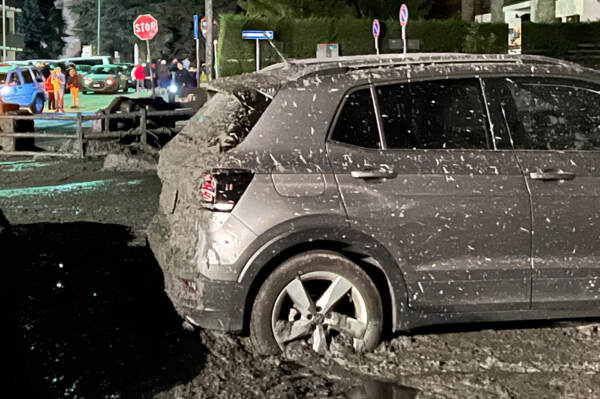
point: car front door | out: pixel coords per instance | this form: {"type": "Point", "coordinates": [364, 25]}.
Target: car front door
{"type": "Point", "coordinates": [422, 177]}
{"type": "Point", "coordinates": [15, 84]}
{"type": "Point", "coordinates": [555, 127]}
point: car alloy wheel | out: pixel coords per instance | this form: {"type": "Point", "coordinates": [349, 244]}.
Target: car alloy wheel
{"type": "Point", "coordinates": [315, 297]}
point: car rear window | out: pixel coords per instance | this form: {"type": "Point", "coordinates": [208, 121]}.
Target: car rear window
{"type": "Point", "coordinates": [27, 76]}
{"type": "Point", "coordinates": [448, 114]}
{"type": "Point", "coordinates": [357, 123]}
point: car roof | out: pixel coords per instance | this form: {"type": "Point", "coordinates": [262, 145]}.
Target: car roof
{"type": "Point", "coordinates": [270, 79]}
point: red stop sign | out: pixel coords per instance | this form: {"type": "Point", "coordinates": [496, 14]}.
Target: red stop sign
{"type": "Point", "coordinates": [145, 27]}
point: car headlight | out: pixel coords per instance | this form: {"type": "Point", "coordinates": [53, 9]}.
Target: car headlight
{"type": "Point", "coordinates": [173, 88]}
{"type": "Point", "coordinates": [110, 81]}
{"type": "Point", "coordinates": [88, 81]}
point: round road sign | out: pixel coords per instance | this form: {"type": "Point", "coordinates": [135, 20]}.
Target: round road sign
{"type": "Point", "coordinates": [145, 27]}
{"type": "Point", "coordinates": [376, 28]}
{"type": "Point", "coordinates": [403, 15]}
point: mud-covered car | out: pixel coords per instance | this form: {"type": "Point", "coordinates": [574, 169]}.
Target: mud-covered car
{"type": "Point", "coordinates": [331, 200]}
{"type": "Point", "coordinates": [105, 79]}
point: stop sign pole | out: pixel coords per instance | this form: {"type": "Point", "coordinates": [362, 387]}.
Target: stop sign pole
{"type": "Point", "coordinates": [145, 27]}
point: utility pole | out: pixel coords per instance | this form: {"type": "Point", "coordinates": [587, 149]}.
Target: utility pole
{"type": "Point", "coordinates": [98, 37]}
{"type": "Point", "coordinates": [3, 30]}
{"type": "Point", "coordinates": [208, 58]}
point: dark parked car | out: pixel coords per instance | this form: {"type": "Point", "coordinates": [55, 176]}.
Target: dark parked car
{"type": "Point", "coordinates": [105, 79]}
{"type": "Point", "coordinates": [330, 199]}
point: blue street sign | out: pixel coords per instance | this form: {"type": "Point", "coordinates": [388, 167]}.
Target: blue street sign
{"type": "Point", "coordinates": [376, 28]}
{"type": "Point", "coordinates": [195, 26]}
{"type": "Point", "coordinates": [403, 15]}
{"type": "Point", "coordinates": [257, 34]}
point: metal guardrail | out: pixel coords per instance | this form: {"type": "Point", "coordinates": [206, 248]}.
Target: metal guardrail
{"type": "Point", "coordinates": [82, 137]}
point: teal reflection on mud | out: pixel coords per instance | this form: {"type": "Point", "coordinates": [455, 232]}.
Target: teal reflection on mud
{"type": "Point", "coordinates": [23, 165]}
{"type": "Point", "coordinates": [51, 190]}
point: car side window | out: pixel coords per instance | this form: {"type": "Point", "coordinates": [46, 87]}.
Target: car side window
{"type": "Point", "coordinates": [554, 114]}
{"type": "Point", "coordinates": [441, 114]}
{"type": "Point", "coordinates": [14, 78]}
{"type": "Point", "coordinates": [27, 76]}
{"type": "Point", "coordinates": [357, 123]}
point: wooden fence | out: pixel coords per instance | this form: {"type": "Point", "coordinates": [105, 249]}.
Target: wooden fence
{"type": "Point", "coordinates": [80, 136]}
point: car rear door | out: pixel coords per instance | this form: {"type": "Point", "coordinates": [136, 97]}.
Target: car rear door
{"type": "Point", "coordinates": [29, 86]}
{"type": "Point", "coordinates": [423, 178]}
{"type": "Point", "coordinates": [555, 126]}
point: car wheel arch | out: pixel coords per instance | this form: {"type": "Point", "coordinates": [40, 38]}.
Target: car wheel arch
{"type": "Point", "coordinates": [365, 251]}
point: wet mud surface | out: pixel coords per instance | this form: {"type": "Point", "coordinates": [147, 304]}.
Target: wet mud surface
{"type": "Point", "coordinates": [88, 318]}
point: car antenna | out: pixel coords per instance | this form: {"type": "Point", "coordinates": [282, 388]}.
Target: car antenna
{"type": "Point", "coordinates": [285, 61]}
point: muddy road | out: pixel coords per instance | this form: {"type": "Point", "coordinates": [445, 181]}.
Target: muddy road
{"type": "Point", "coordinates": [89, 319]}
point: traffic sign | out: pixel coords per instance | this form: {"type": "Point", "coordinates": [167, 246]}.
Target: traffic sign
{"type": "Point", "coordinates": [376, 28]}
{"type": "Point", "coordinates": [145, 27]}
{"type": "Point", "coordinates": [196, 29]}
{"type": "Point", "coordinates": [257, 34]}
{"type": "Point", "coordinates": [403, 15]}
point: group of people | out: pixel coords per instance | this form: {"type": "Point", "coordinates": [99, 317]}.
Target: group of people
{"type": "Point", "coordinates": [55, 83]}
{"type": "Point", "coordinates": [182, 73]}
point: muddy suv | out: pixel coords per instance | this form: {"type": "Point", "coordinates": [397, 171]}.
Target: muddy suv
{"type": "Point", "coordinates": [328, 201]}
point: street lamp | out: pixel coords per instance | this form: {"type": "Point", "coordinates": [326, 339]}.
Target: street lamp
{"type": "Point", "coordinates": [98, 38]}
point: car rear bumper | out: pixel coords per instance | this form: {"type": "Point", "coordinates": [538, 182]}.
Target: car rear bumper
{"type": "Point", "coordinates": [204, 302]}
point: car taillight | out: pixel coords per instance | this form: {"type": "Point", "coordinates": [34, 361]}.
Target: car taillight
{"type": "Point", "coordinates": [222, 188]}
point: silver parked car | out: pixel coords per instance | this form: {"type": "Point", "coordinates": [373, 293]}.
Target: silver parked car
{"type": "Point", "coordinates": [332, 199]}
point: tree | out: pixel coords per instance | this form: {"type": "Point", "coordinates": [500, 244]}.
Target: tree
{"type": "Point", "coordinates": [175, 25]}
{"type": "Point", "coordinates": [42, 25]}
{"type": "Point", "coordinates": [333, 8]}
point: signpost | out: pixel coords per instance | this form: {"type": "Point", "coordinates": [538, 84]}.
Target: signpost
{"type": "Point", "coordinates": [145, 27]}
{"type": "Point", "coordinates": [257, 35]}
{"type": "Point", "coordinates": [403, 21]}
{"type": "Point", "coordinates": [197, 39]}
{"type": "Point", "coordinates": [376, 31]}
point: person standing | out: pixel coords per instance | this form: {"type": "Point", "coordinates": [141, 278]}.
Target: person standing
{"type": "Point", "coordinates": [138, 74]}
{"type": "Point", "coordinates": [74, 86]}
{"type": "Point", "coordinates": [49, 88]}
{"type": "Point", "coordinates": [58, 81]}
{"type": "Point", "coordinates": [163, 75]}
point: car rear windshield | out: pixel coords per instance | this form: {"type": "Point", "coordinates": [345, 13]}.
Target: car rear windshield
{"type": "Point", "coordinates": [103, 71]}
{"type": "Point", "coordinates": [226, 119]}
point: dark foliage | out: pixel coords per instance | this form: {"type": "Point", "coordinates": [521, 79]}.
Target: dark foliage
{"type": "Point", "coordinates": [175, 21]}
{"type": "Point", "coordinates": [42, 24]}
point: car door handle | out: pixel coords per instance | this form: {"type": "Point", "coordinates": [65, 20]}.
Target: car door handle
{"type": "Point", "coordinates": [381, 173]}
{"type": "Point", "coordinates": [552, 174]}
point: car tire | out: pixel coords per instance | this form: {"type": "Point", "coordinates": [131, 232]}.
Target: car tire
{"type": "Point", "coordinates": [37, 105]}
{"type": "Point", "coordinates": [316, 272]}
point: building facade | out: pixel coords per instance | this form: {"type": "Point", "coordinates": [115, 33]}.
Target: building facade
{"type": "Point", "coordinates": [542, 11]}
{"type": "Point", "coordinates": [10, 41]}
